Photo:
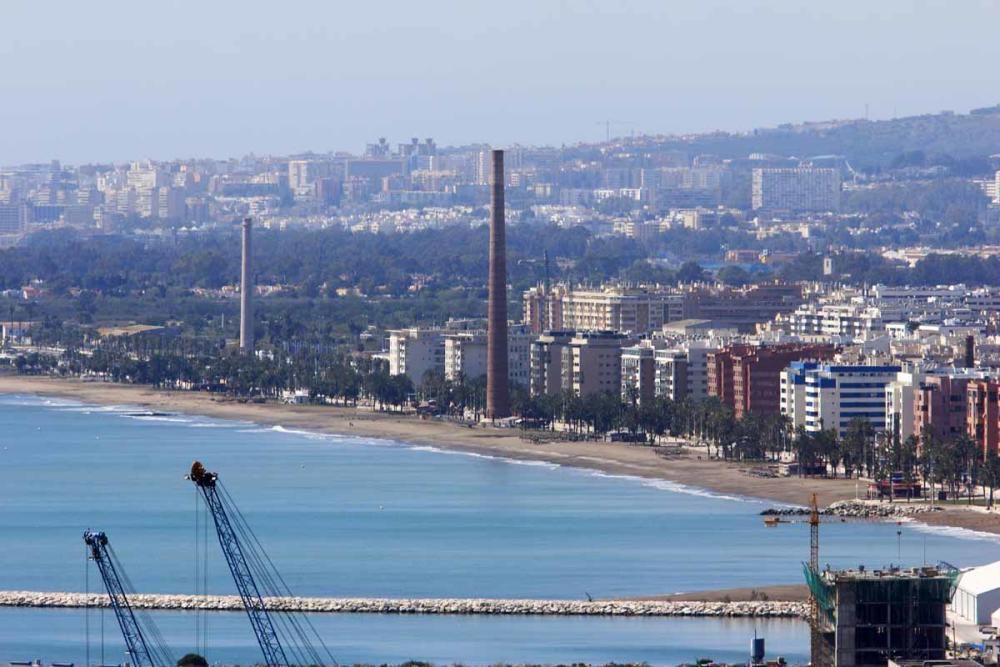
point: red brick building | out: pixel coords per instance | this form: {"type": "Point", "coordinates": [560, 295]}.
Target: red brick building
{"type": "Point", "coordinates": [983, 414]}
{"type": "Point", "coordinates": [747, 378]}
{"type": "Point", "coordinates": [939, 406]}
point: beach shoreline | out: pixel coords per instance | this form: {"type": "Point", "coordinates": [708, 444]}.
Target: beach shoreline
{"type": "Point", "coordinates": [688, 467]}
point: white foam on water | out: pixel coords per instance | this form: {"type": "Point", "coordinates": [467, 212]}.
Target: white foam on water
{"type": "Point", "coordinates": [159, 418]}
{"type": "Point", "coordinates": [29, 400]}
{"type": "Point", "coordinates": [677, 487]}
{"type": "Point", "coordinates": [949, 531]}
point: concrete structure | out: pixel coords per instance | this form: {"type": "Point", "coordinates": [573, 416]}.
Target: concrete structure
{"type": "Point", "coordinates": [246, 290]}
{"type": "Point", "coordinates": [868, 617]}
{"type": "Point", "coordinates": [497, 390]}
{"type": "Point", "coordinates": [828, 396]}
{"type": "Point", "coordinates": [977, 594]}
{"type": "Point", "coordinates": [799, 189]}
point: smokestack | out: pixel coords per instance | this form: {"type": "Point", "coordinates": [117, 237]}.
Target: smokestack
{"type": "Point", "coordinates": [970, 351]}
{"type": "Point", "coordinates": [497, 393]}
{"type": "Point", "coordinates": [246, 292]}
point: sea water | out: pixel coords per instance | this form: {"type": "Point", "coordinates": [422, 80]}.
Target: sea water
{"type": "Point", "coordinates": [355, 516]}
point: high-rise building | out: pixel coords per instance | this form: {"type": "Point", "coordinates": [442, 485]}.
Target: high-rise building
{"type": "Point", "coordinates": [747, 378]}
{"type": "Point", "coordinates": [413, 352]}
{"type": "Point", "coordinates": [546, 357]}
{"type": "Point", "coordinates": [635, 310]}
{"type": "Point", "coordinates": [800, 189]}
{"type": "Point", "coordinates": [638, 372]}
{"type": "Point", "coordinates": [592, 363]}
{"type": "Point", "coordinates": [465, 354]}
{"type": "Point", "coordinates": [829, 396]}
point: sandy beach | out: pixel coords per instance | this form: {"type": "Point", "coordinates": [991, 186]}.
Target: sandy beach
{"type": "Point", "coordinates": [687, 466]}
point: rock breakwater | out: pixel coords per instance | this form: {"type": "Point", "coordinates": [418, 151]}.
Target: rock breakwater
{"type": "Point", "coordinates": [755, 608]}
{"type": "Point", "coordinates": [858, 509]}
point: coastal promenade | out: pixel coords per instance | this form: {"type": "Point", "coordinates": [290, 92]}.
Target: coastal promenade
{"type": "Point", "coordinates": [462, 606]}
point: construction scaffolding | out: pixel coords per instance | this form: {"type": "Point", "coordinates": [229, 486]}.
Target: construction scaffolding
{"type": "Point", "coordinates": [866, 618]}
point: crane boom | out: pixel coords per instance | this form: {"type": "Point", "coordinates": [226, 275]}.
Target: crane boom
{"type": "Point", "coordinates": [253, 602]}
{"type": "Point", "coordinates": [140, 648]}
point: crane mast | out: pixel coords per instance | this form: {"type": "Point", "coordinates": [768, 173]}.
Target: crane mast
{"type": "Point", "coordinates": [137, 644]}
{"type": "Point", "coordinates": [253, 602]}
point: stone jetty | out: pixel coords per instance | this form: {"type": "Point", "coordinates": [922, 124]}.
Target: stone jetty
{"type": "Point", "coordinates": [858, 509]}
{"type": "Point", "coordinates": [754, 608]}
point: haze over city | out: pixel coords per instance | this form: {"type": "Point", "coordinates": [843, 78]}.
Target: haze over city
{"type": "Point", "coordinates": [180, 79]}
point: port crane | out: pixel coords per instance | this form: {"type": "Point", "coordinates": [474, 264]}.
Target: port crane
{"type": "Point", "coordinates": [279, 633]}
{"type": "Point", "coordinates": [143, 643]}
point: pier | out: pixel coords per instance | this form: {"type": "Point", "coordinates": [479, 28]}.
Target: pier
{"type": "Point", "coordinates": [177, 602]}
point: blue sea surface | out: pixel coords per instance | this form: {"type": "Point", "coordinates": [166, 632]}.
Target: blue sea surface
{"type": "Point", "coordinates": [350, 516]}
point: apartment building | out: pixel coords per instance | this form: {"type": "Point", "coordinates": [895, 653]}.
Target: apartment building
{"type": "Point", "coordinates": [742, 309]}
{"type": "Point", "coordinates": [632, 310]}
{"type": "Point", "coordinates": [983, 414]}
{"type": "Point", "coordinates": [592, 362]}
{"type": "Point", "coordinates": [639, 372]}
{"type": "Point", "coordinates": [465, 354]}
{"type": "Point", "coordinates": [748, 377]}
{"type": "Point", "coordinates": [799, 189]}
{"type": "Point", "coordinates": [415, 351]}
{"type": "Point", "coordinates": [546, 362]}
{"type": "Point", "coordinates": [829, 396]}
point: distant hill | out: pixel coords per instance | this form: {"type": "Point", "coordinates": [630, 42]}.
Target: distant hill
{"type": "Point", "coordinates": [866, 144]}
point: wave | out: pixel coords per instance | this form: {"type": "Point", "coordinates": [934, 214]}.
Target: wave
{"type": "Point", "coordinates": [159, 418]}
{"type": "Point", "coordinates": [105, 409]}
{"type": "Point", "coordinates": [677, 487]}
{"type": "Point", "coordinates": [30, 400]}
{"type": "Point", "coordinates": [950, 531]}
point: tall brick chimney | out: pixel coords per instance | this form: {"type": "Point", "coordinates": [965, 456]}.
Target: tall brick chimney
{"type": "Point", "coordinates": [497, 391]}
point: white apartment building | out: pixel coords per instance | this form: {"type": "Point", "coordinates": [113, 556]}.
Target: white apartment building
{"type": "Point", "coordinates": [798, 189]}
{"type": "Point", "coordinates": [413, 352]}
{"type": "Point", "coordinates": [465, 354]}
{"type": "Point", "coordinates": [845, 320]}
{"type": "Point", "coordinates": [635, 310]}
{"type": "Point", "coordinates": [822, 396]}
{"type": "Point", "coordinates": [547, 353]}
{"type": "Point", "coordinates": [638, 371]}
{"type": "Point", "coordinates": [671, 371]}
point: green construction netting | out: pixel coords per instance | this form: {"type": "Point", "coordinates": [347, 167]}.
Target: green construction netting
{"type": "Point", "coordinates": [821, 591]}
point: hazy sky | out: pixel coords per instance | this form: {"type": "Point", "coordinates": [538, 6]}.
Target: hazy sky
{"type": "Point", "coordinates": [121, 79]}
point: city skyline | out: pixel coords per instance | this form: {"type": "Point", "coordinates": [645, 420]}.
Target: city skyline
{"type": "Point", "coordinates": [259, 81]}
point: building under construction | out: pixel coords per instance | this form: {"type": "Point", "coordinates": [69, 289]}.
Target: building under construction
{"type": "Point", "coordinates": [868, 617]}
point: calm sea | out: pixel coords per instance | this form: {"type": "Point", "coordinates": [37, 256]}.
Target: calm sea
{"type": "Point", "coordinates": [347, 516]}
